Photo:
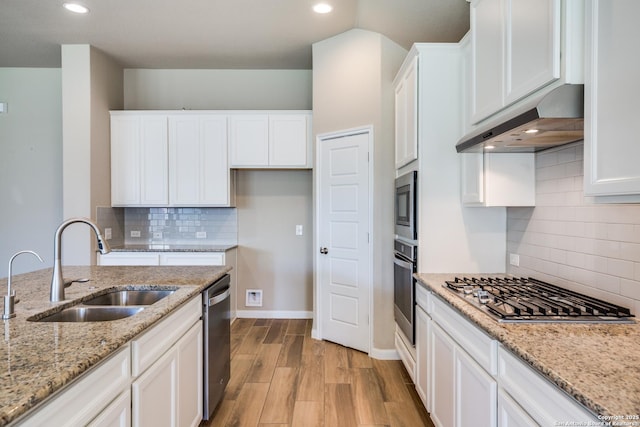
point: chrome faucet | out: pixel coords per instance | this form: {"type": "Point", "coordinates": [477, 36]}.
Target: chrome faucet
{"type": "Point", "coordinates": [10, 298]}
{"type": "Point", "coordinates": [57, 281]}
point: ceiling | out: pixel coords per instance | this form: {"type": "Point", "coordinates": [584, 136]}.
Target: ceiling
{"type": "Point", "coordinates": [215, 34]}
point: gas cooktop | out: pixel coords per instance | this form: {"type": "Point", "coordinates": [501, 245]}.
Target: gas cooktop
{"type": "Point", "coordinates": [517, 299]}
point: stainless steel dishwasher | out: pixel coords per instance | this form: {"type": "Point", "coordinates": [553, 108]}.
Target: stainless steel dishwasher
{"type": "Point", "coordinates": [217, 343]}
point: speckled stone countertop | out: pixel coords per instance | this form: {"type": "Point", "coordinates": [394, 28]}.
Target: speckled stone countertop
{"type": "Point", "coordinates": [38, 359]}
{"type": "Point", "coordinates": [597, 364]}
{"type": "Point", "coordinates": [173, 248]}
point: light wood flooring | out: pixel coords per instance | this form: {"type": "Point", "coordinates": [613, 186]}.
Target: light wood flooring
{"type": "Point", "coordinates": [280, 376]}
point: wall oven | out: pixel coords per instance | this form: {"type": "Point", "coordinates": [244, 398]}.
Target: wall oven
{"type": "Point", "coordinates": [406, 206]}
{"type": "Point", "coordinates": [404, 286]}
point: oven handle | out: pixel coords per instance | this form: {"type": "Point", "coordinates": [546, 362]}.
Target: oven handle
{"type": "Point", "coordinates": [402, 263]}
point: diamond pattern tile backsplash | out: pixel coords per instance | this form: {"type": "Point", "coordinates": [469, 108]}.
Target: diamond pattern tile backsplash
{"type": "Point", "coordinates": [180, 226]}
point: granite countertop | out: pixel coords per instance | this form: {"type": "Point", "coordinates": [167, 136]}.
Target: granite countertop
{"type": "Point", "coordinates": [38, 359]}
{"type": "Point", "coordinates": [159, 247]}
{"type": "Point", "coordinates": [596, 364]}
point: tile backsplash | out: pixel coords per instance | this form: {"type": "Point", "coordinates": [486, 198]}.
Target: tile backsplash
{"type": "Point", "coordinates": [569, 240]}
{"type": "Point", "coordinates": [178, 226]}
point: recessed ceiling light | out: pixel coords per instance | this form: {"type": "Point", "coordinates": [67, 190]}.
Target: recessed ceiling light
{"type": "Point", "coordinates": [531, 131]}
{"type": "Point", "coordinates": [75, 7]}
{"type": "Point", "coordinates": [322, 8]}
{"type": "Point", "coordinates": [489, 147]}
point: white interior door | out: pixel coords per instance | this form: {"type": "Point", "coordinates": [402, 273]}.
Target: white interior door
{"type": "Point", "coordinates": [344, 270]}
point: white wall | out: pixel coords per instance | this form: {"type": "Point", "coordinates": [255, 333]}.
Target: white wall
{"type": "Point", "coordinates": [91, 86]}
{"type": "Point", "coordinates": [30, 165]}
{"type": "Point", "coordinates": [352, 87]}
{"type": "Point", "coordinates": [271, 257]}
{"type": "Point", "coordinates": [572, 242]}
{"type": "Point", "coordinates": [217, 89]}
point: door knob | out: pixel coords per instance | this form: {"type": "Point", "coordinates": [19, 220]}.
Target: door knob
{"type": "Point", "coordinates": [324, 251]}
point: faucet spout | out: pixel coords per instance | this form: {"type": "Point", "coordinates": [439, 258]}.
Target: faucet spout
{"type": "Point", "coordinates": [57, 281]}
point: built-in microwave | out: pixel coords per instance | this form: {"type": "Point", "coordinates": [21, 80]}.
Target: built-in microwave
{"type": "Point", "coordinates": [406, 206]}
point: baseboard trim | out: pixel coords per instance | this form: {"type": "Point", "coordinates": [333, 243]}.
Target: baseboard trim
{"type": "Point", "coordinates": [384, 354]}
{"type": "Point", "coordinates": [273, 314]}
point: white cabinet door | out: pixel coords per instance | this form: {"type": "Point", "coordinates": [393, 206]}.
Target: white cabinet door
{"type": "Point", "coordinates": [139, 160]}
{"type": "Point", "coordinates": [476, 393]}
{"type": "Point", "coordinates": [406, 102]}
{"type": "Point", "coordinates": [611, 146]}
{"type": "Point", "coordinates": [423, 376]}
{"type": "Point", "coordinates": [498, 179]}
{"type": "Point", "coordinates": [117, 414]}
{"type": "Point", "coordinates": [520, 46]}
{"type": "Point", "coordinates": [443, 377]}
{"type": "Point", "coordinates": [198, 170]}
{"type": "Point", "coordinates": [510, 414]}
{"type": "Point", "coordinates": [288, 140]}
{"type": "Point", "coordinates": [189, 384]}
{"type": "Point", "coordinates": [154, 393]}
{"type": "Point", "coordinates": [487, 46]}
{"type": "Point", "coordinates": [249, 140]}
{"type": "Point", "coordinates": [532, 42]}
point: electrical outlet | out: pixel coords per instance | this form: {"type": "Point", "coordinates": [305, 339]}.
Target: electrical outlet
{"type": "Point", "coordinates": [135, 233]}
{"type": "Point", "coordinates": [298, 230]}
{"type": "Point", "coordinates": [514, 259]}
{"type": "Point", "coordinates": [201, 234]}
{"type": "Point", "coordinates": [107, 233]}
{"type": "Point", "coordinates": [253, 298]}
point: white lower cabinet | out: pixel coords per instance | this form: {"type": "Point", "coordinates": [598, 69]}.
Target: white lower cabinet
{"type": "Point", "coordinates": [162, 258]}
{"type": "Point", "coordinates": [167, 390]}
{"type": "Point", "coordinates": [189, 382]}
{"type": "Point", "coordinates": [443, 377]}
{"type": "Point", "coordinates": [476, 393]}
{"type": "Point", "coordinates": [465, 378]}
{"type": "Point", "coordinates": [153, 397]}
{"type": "Point", "coordinates": [510, 414]}
{"type": "Point", "coordinates": [540, 399]}
{"type": "Point", "coordinates": [423, 340]}
{"type": "Point", "coordinates": [89, 400]}
{"type": "Point", "coordinates": [117, 414]}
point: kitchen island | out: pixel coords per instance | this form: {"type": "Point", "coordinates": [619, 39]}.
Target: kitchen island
{"type": "Point", "coordinates": [598, 365]}
{"type": "Point", "coordinates": [40, 358]}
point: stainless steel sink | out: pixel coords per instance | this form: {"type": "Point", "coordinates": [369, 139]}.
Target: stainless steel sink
{"type": "Point", "coordinates": [129, 297]}
{"type": "Point", "coordinates": [91, 314]}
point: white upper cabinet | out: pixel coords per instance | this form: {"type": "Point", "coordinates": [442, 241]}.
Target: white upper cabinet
{"type": "Point", "coordinates": [498, 179]}
{"type": "Point", "coordinates": [611, 149]}
{"type": "Point", "coordinates": [520, 46]}
{"type": "Point", "coordinates": [139, 165]}
{"type": "Point", "coordinates": [406, 88]}
{"type": "Point", "coordinates": [271, 140]}
{"type": "Point", "coordinates": [249, 140]}
{"type": "Point", "coordinates": [198, 170]}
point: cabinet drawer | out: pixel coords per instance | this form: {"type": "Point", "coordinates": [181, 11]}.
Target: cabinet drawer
{"type": "Point", "coordinates": [87, 398]}
{"type": "Point", "coordinates": [169, 258]}
{"type": "Point", "coordinates": [150, 346]}
{"type": "Point", "coordinates": [423, 298]}
{"type": "Point", "coordinates": [541, 399]}
{"type": "Point", "coordinates": [129, 258]}
{"type": "Point", "coordinates": [475, 342]}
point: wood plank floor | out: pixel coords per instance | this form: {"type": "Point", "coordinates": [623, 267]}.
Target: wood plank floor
{"type": "Point", "coordinates": [280, 377]}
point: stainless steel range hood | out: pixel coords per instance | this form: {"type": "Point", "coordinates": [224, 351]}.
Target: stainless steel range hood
{"type": "Point", "coordinates": [546, 121]}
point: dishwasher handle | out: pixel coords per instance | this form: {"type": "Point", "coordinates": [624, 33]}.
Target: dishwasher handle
{"type": "Point", "coordinates": [217, 299]}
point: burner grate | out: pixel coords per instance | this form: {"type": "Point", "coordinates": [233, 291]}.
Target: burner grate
{"type": "Point", "coordinates": [527, 299]}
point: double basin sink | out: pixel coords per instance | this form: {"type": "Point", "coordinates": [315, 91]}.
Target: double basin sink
{"type": "Point", "coordinates": [113, 305]}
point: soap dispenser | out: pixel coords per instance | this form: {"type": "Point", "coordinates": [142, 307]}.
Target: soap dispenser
{"type": "Point", "coordinates": [9, 299]}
